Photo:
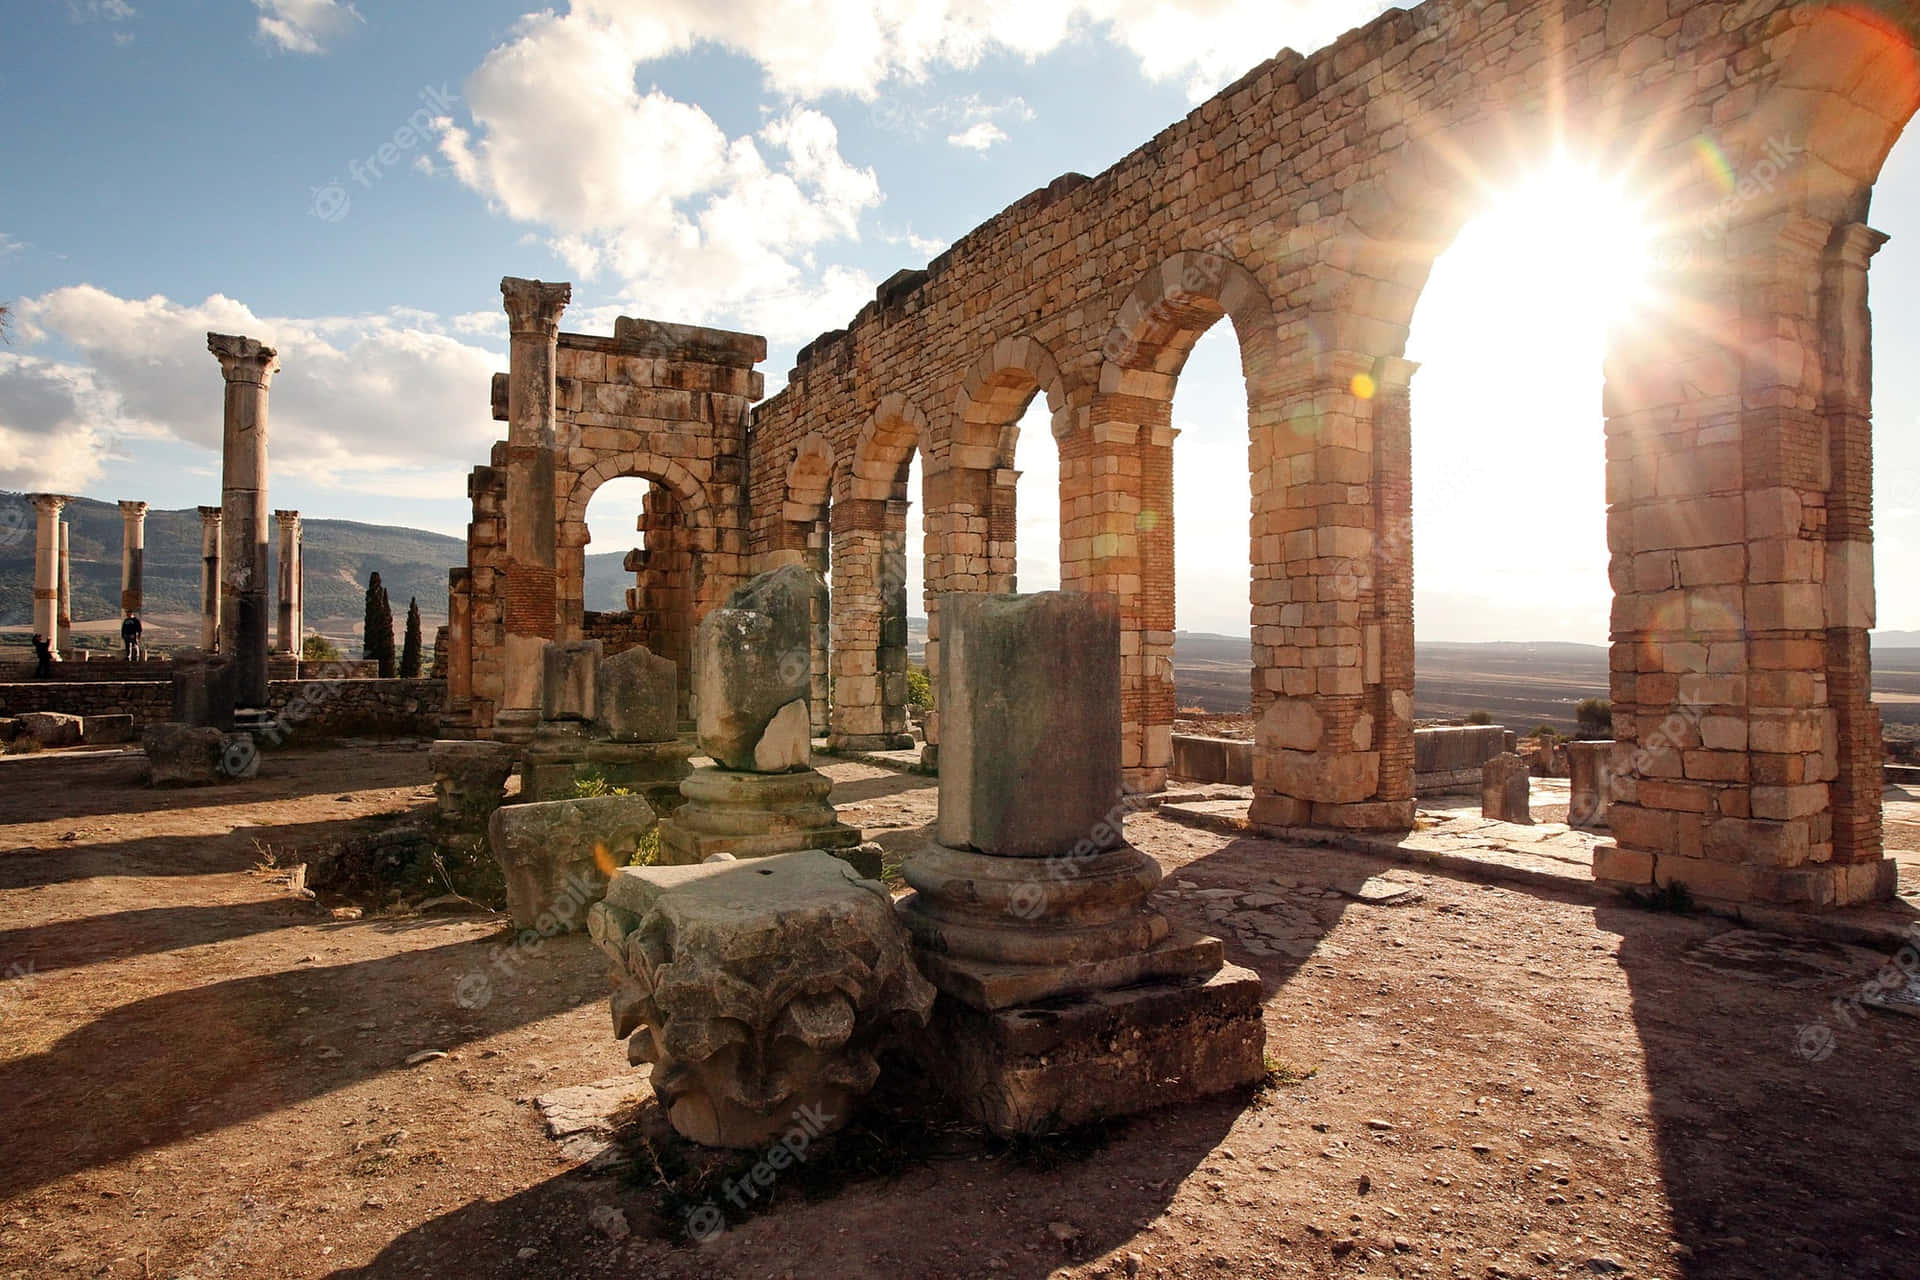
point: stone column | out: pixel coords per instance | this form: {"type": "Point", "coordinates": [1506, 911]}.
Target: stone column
{"type": "Point", "coordinates": [531, 605]}
{"type": "Point", "coordinates": [209, 578]}
{"type": "Point", "coordinates": [248, 366]}
{"type": "Point", "coordinates": [133, 555]}
{"type": "Point", "coordinates": [292, 609]}
{"type": "Point", "coordinates": [65, 610]}
{"type": "Point", "coordinates": [46, 565]}
{"type": "Point", "coordinates": [459, 672]}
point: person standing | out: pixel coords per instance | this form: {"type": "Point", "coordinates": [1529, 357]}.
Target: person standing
{"type": "Point", "coordinates": [130, 636]}
{"type": "Point", "coordinates": [43, 657]}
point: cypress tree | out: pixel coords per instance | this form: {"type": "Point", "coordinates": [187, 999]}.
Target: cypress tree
{"type": "Point", "coordinates": [410, 651]}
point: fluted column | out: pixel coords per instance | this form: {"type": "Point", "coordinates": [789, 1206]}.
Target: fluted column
{"type": "Point", "coordinates": [46, 565]}
{"type": "Point", "coordinates": [133, 555]}
{"type": "Point", "coordinates": [292, 604]}
{"type": "Point", "coordinates": [248, 366]}
{"type": "Point", "coordinates": [531, 604]}
{"type": "Point", "coordinates": [210, 578]}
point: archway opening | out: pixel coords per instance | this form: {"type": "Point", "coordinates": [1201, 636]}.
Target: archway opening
{"type": "Point", "coordinates": [1513, 598]}
{"type": "Point", "coordinates": [1214, 620]}
{"type": "Point", "coordinates": [876, 573]}
{"type": "Point", "coordinates": [1894, 294]}
{"type": "Point", "coordinates": [639, 593]}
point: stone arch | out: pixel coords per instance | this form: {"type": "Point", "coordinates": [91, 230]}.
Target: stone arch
{"type": "Point", "coordinates": [995, 395]}
{"type": "Point", "coordinates": [809, 479]}
{"type": "Point", "coordinates": [675, 587]}
{"type": "Point", "coordinates": [868, 635]}
{"type": "Point", "coordinates": [1116, 472]}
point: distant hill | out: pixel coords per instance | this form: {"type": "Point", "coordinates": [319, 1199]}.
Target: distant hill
{"type": "Point", "coordinates": [339, 555]}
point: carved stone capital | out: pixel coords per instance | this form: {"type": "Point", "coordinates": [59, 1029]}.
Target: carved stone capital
{"type": "Point", "coordinates": [289, 520]}
{"type": "Point", "coordinates": [133, 510]}
{"type": "Point", "coordinates": [210, 515]}
{"type": "Point", "coordinates": [49, 503]}
{"type": "Point", "coordinates": [244, 359]}
{"type": "Point", "coordinates": [534, 306]}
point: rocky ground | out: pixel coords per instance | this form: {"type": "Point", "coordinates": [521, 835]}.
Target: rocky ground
{"type": "Point", "coordinates": [206, 1077]}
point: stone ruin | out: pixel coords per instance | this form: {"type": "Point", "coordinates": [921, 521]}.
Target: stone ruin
{"type": "Point", "coordinates": [1304, 206]}
{"type": "Point", "coordinates": [763, 986]}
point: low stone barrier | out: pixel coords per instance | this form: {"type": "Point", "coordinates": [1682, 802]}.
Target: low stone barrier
{"type": "Point", "coordinates": [1450, 758]}
{"type": "Point", "coordinates": [317, 708]}
{"type": "Point", "coordinates": [1197, 759]}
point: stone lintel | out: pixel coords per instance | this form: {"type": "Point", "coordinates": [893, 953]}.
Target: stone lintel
{"type": "Point", "coordinates": [636, 336]}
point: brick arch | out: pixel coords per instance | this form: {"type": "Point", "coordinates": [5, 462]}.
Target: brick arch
{"type": "Point", "coordinates": [885, 447]}
{"type": "Point", "coordinates": [1157, 325]}
{"type": "Point", "coordinates": [687, 491]}
{"type": "Point", "coordinates": [996, 392]}
{"type": "Point", "coordinates": [809, 479]}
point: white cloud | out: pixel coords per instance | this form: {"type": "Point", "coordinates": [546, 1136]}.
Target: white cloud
{"type": "Point", "coordinates": [9, 245]}
{"type": "Point", "coordinates": [51, 437]}
{"type": "Point", "coordinates": [357, 397]}
{"type": "Point", "coordinates": [100, 10]}
{"type": "Point", "coordinates": [811, 48]}
{"type": "Point", "coordinates": [304, 26]}
{"type": "Point", "coordinates": [649, 192]}
{"type": "Point", "coordinates": [979, 137]}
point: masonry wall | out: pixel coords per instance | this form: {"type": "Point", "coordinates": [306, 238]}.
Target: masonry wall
{"type": "Point", "coordinates": [326, 708]}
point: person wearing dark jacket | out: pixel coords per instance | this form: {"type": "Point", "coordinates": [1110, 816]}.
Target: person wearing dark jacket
{"type": "Point", "coordinates": [130, 636]}
{"type": "Point", "coordinates": [43, 658]}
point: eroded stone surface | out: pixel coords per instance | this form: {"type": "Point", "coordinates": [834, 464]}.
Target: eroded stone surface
{"type": "Point", "coordinates": [639, 697]}
{"type": "Point", "coordinates": [753, 658]}
{"type": "Point", "coordinates": [557, 855]}
{"type": "Point", "coordinates": [1505, 784]}
{"type": "Point", "coordinates": [182, 755]}
{"type": "Point", "coordinates": [758, 990]}
{"type": "Point", "coordinates": [469, 779]}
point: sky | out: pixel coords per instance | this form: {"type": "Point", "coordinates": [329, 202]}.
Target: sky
{"type": "Point", "coordinates": [350, 182]}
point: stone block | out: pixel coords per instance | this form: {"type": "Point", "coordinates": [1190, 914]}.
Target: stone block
{"type": "Point", "coordinates": [752, 659]}
{"type": "Point", "coordinates": [183, 755]}
{"type": "Point", "coordinates": [469, 779]}
{"type": "Point", "coordinates": [557, 855]}
{"type": "Point", "coordinates": [759, 991]}
{"type": "Point", "coordinates": [204, 689]}
{"type": "Point", "coordinates": [639, 697]}
{"type": "Point", "coordinates": [1029, 722]}
{"type": "Point", "coordinates": [107, 730]}
{"type": "Point", "coordinates": [753, 815]}
{"type": "Point", "coordinates": [1590, 768]}
{"type": "Point", "coordinates": [1032, 1070]}
{"type": "Point", "coordinates": [52, 728]}
{"type": "Point", "coordinates": [569, 681]}
{"type": "Point", "coordinates": [1505, 783]}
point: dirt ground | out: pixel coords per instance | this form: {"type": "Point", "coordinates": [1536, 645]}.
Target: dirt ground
{"type": "Point", "coordinates": [204, 1077]}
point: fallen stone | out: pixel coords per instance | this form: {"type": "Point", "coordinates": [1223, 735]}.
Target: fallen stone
{"type": "Point", "coordinates": [52, 728]}
{"type": "Point", "coordinates": [182, 755]}
{"type": "Point", "coordinates": [639, 697]}
{"type": "Point", "coordinates": [557, 856]}
{"type": "Point", "coordinates": [753, 658]}
{"type": "Point", "coordinates": [469, 779]}
{"type": "Point", "coordinates": [107, 730]}
{"type": "Point", "coordinates": [1505, 789]}
{"type": "Point", "coordinates": [760, 991]}
{"type": "Point", "coordinates": [788, 742]}
{"type": "Point", "coordinates": [569, 687]}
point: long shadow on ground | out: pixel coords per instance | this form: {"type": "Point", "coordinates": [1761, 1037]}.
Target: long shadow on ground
{"type": "Point", "coordinates": [195, 1061]}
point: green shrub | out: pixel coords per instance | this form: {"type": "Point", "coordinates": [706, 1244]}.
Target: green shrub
{"type": "Point", "coordinates": [1479, 717]}
{"type": "Point", "coordinates": [1595, 718]}
{"type": "Point", "coordinates": [319, 649]}
{"type": "Point", "coordinates": [920, 688]}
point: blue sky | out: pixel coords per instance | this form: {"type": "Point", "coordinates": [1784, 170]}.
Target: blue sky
{"type": "Point", "coordinates": [218, 164]}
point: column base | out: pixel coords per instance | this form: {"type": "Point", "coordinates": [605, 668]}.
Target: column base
{"type": "Point", "coordinates": [1367, 815]}
{"type": "Point", "coordinates": [752, 815]}
{"type": "Point", "coordinates": [1032, 1070]}
{"type": "Point", "coordinates": [1815, 885]}
{"type": "Point", "coordinates": [871, 742]}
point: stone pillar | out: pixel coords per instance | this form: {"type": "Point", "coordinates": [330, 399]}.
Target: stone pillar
{"type": "Point", "coordinates": [46, 565]}
{"type": "Point", "coordinates": [209, 578]}
{"type": "Point", "coordinates": [1031, 894]}
{"type": "Point", "coordinates": [292, 605]}
{"type": "Point", "coordinates": [65, 610]}
{"type": "Point", "coordinates": [133, 555]}
{"type": "Point", "coordinates": [248, 367]}
{"type": "Point", "coordinates": [459, 672]}
{"type": "Point", "coordinates": [531, 594]}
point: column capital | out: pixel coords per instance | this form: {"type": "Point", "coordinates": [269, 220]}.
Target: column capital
{"type": "Point", "coordinates": [1856, 243]}
{"type": "Point", "coordinates": [1394, 373]}
{"type": "Point", "coordinates": [210, 515]}
{"type": "Point", "coordinates": [133, 510]}
{"type": "Point", "coordinates": [244, 359]}
{"type": "Point", "coordinates": [534, 306]}
{"type": "Point", "coordinates": [49, 502]}
{"type": "Point", "coordinates": [288, 519]}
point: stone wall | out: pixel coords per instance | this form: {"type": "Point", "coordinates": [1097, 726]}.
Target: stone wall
{"type": "Point", "coordinates": [1449, 758]}
{"type": "Point", "coordinates": [1304, 206]}
{"type": "Point", "coordinates": [330, 708]}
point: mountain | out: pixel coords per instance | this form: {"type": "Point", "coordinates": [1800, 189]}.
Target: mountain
{"type": "Point", "coordinates": [339, 555]}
